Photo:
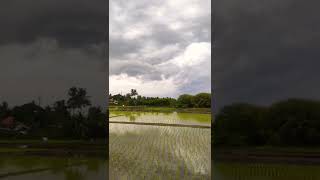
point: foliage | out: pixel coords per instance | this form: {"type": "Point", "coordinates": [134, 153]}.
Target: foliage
{"type": "Point", "coordinates": [61, 120]}
{"type": "Point", "coordinates": [185, 101]}
{"type": "Point", "coordinates": [293, 122]}
{"type": "Point", "coordinates": [201, 100]}
{"type": "Point", "coordinates": [78, 98]}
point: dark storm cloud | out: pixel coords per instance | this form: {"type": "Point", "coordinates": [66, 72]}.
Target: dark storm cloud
{"type": "Point", "coordinates": [265, 50]}
{"type": "Point", "coordinates": [133, 68]}
{"type": "Point", "coordinates": [48, 46]}
{"type": "Point", "coordinates": [72, 23]}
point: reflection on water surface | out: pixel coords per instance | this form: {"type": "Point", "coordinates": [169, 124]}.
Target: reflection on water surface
{"type": "Point", "coordinates": [52, 168]}
{"type": "Point", "coordinates": [270, 171]}
{"type": "Point", "coordinates": [154, 152]}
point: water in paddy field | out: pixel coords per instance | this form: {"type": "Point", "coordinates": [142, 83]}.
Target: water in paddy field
{"type": "Point", "coordinates": [52, 168]}
{"type": "Point", "coordinates": [257, 171]}
{"type": "Point", "coordinates": [159, 152]}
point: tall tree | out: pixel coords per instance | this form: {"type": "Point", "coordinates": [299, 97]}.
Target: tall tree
{"type": "Point", "coordinates": [78, 99]}
{"type": "Point", "coordinates": [133, 92]}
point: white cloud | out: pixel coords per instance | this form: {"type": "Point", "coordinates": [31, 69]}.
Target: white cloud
{"type": "Point", "coordinates": [136, 31]}
{"type": "Point", "coordinates": [193, 55]}
{"type": "Point", "coordinates": [161, 48]}
{"type": "Point", "coordinates": [123, 83]}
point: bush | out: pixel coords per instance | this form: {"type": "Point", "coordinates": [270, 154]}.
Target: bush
{"type": "Point", "coordinates": [294, 122]}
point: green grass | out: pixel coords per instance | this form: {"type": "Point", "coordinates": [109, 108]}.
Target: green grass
{"type": "Point", "coordinates": [54, 141]}
{"type": "Point", "coordinates": [51, 145]}
{"type": "Point", "coordinates": [159, 109]}
{"type": "Point", "coordinates": [160, 116]}
{"type": "Point", "coordinates": [53, 148]}
{"type": "Point", "coordinates": [273, 154]}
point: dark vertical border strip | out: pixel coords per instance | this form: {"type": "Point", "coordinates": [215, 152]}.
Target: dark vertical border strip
{"type": "Point", "coordinates": [107, 77]}
{"type": "Point", "coordinates": [213, 95]}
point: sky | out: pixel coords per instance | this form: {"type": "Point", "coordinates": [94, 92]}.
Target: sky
{"type": "Point", "coordinates": [265, 51]}
{"type": "Point", "coordinates": [160, 48]}
{"type": "Point", "coordinates": [47, 46]}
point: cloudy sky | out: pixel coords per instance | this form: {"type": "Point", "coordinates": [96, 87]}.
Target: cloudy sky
{"type": "Point", "coordinates": [160, 48]}
{"type": "Point", "coordinates": [266, 50]}
{"type": "Point", "coordinates": [47, 46]}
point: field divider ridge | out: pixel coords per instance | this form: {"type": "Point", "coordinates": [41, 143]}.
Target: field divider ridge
{"type": "Point", "coordinates": [162, 124]}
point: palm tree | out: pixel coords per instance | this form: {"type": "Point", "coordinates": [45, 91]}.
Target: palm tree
{"type": "Point", "coordinates": [133, 92]}
{"type": "Point", "coordinates": [78, 99]}
{"type": "Point", "coordinates": [72, 100]}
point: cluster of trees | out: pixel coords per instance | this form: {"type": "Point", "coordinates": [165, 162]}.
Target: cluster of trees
{"type": "Point", "coordinates": [201, 100]}
{"type": "Point", "coordinates": [293, 122]}
{"type": "Point", "coordinates": [64, 119]}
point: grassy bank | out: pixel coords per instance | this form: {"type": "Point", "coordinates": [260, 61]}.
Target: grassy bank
{"type": "Point", "coordinates": [53, 147]}
{"type": "Point", "coordinates": [268, 154]}
{"type": "Point", "coordinates": [160, 109]}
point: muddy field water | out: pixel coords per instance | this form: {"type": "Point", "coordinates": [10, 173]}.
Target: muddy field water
{"type": "Point", "coordinates": [265, 171]}
{"type": "Point", "coordinates": [52, 168]}
{"type": "Point", "coordinates": [159, 152]}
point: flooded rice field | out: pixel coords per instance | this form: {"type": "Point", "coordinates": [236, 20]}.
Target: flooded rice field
{"type": "Point", "coordinates": [267, 171]}
{"type": "Point", "coordinates": [159, 152]}
{"type": "Point", "coordinates": [52, 168]}
{"type": "Point", "coordinates": [152, 152]}
{"type": "Point", "coordinates": [164, 152]}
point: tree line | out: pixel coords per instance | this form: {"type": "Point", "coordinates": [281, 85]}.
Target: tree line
{"type": "Point", "coordinates": [201, 100]}
{"type": "Point", "coordinates": [74, 118]}
{"type": "Point", "coordinates": [292, 122]}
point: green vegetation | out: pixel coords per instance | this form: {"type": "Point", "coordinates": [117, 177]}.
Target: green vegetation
{"type": "Point", "coordinates": [160, 117]}
{"type": "Point", "coordinates": [201, 100]}
{"type": "Point", "coordinates": [159, 109]}
{"type": "Point", "coordinates": [53, 147]}
{"type": "Point", "coordinates": [63, 120]}
{"type": "Point", "coordinates": [289, 123]}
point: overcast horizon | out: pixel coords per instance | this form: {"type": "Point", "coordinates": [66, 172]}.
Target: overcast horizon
{"type": "Point", "coordinates": [160, 48]}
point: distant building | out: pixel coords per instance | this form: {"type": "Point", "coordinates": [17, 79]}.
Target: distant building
{"type": "Point", "coordinates": [7, 122]}
{"type": "Point", "coordinates": [10, 125]}
{"type": "Point", "coordinates": [112, 101]}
